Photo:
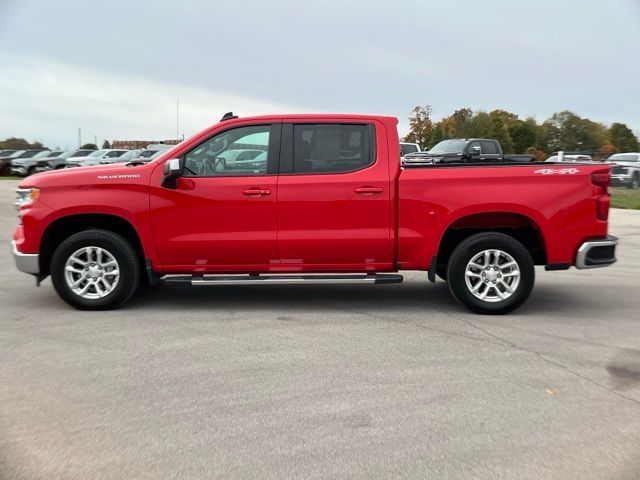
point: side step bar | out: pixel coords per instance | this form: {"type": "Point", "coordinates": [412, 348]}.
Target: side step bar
{"type": "Point", "coordinates": [281, 279]}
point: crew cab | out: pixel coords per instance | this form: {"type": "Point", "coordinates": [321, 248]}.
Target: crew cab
{"type": "Point", "coordinates": [461, 149]}
{"type": "Point", "coordinates": [327, 200]}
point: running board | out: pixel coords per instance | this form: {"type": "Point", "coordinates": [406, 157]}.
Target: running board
{"type": "Point", "coordinates": [281, 279]}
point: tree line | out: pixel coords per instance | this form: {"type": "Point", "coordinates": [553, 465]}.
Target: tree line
{"type": "Point", "coordinates": [564, 131]}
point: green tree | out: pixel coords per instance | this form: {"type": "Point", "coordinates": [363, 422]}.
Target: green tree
{"type": "Point", "coordinates": [437, 135]}
{"type": "Point", "coordinates": [523, 134]}
{"type": "Point", "coordinates": [106, 144]}
{"type": "Point", "coordinates": [420, 125]}
{"type": "Point", "coordinates": [500, 122]}
{"type": "Point", "coordinates": [89, 146]}
{"type": "Point", "coordinates": [458, 124]}
{"type": "Point", "coordinates": [622, 138]}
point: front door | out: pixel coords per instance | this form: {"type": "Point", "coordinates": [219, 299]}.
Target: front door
{"type": "Point", "coordinates": [334, 198]}
{"type": "Point", "coordinates": [222, 215]}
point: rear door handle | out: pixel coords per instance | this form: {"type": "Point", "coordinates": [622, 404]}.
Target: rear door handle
{"type": "Point", "coordinates": [256, 192]}
{"type": "Point", "coordinates": [368, 190]}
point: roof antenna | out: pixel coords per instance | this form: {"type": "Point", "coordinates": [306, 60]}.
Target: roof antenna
{"type": "Point", "coordinates": [228, 116]}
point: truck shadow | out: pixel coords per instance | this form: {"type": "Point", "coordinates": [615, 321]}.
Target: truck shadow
{"type": "Point", "coordinates": [412, 296]}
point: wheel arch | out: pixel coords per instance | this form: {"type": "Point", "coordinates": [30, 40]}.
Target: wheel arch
{"type": "Point", "coordinates": [63, 227]}
{"type": "Point", "coordinates": [517, 225]}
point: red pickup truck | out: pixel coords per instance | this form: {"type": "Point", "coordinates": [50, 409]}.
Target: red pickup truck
{"type": "Point", "coordinates": [309, 198]}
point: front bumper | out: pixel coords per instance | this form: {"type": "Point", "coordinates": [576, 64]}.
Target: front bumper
{"type": "Point", "coordinates": [18, 170]}
{"type": "Point", "coordinates": [597, 253]}
{"type": "Point", "coordinates": [621, 180]}
{"type": "Point", "coordinates": [26, 262]}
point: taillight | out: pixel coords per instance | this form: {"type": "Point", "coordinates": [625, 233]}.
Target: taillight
{"type": "Point", "coordinates": [602, 180]}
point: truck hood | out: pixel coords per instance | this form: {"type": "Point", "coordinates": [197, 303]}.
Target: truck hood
{"type": "Point", "coordinates": [90, 175]}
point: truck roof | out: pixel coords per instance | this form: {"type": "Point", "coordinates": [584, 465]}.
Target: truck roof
{"type": "Point", "coordinates": [319, 116]}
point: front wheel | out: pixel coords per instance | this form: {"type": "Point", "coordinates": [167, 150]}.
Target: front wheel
{"type": "Point", "coordinates": [491, 273]}
{"type": "Point", "coordinates": [95, 270]}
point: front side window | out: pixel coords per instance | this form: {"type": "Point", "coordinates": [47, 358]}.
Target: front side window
{"type": "Point", "coordinates": [330, 148]}
{"type": "Point", "coordinates": [242, 151]}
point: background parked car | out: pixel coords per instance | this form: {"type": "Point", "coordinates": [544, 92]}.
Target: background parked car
{"type": "Point", "coordinates": [570, 158]}
{"type": "Point", "coordinates": [25, 164]}
{"type": "Point", "coordinates": [55, 162]}
{"type": "Point", "coordinates": [5, 160]}
{"type": "Point", "coordinates": [626, 171]}
{"type": "Point", "coordinates": [103, 156]}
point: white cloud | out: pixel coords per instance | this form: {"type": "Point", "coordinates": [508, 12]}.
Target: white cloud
{"type": "Point", "coordinates": [48, 101]}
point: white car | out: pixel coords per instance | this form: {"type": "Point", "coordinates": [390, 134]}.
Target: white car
{"type": "Point", "coordinates": [625, 171]}
{"type": "Point", "coordinates": [570, 158]}
{"type": "Point", "coordinates": [406, 148]}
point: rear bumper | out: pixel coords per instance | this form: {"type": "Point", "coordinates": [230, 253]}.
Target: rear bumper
{"type": "Point", "coordinates": [597, 253]}
{"type": "Point", "coordinates": [26, 262]}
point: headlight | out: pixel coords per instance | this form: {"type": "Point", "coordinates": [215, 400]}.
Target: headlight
{"type": "Point", "coordinates": [25, 196]}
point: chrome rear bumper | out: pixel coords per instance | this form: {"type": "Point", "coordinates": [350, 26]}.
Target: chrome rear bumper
{"type": "Point", "coordinates": [597, 253]}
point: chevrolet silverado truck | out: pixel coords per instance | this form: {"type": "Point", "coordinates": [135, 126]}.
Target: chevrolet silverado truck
{"type": "Point", "coordinates": [465, 149]}
{"type": "Point", "coordinates": [326, 200]}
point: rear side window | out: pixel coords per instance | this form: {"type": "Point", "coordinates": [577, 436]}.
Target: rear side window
{"type": "Point", "coordinates": [331, 148]}
{"type": "Point", "coordinates": [407, 148]}
{"type": "Point", "coordinates": [489, 148]}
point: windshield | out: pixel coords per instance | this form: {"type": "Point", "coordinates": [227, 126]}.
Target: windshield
{"type": "Point", "coordinates": [41, 154]}
{"type": "Point", "coordinates": [30, 154]}
{"type": "Point", "coordinates": [97, 153]}
{"type": "Point", "coordinates": [114, 154]}
{"type": "Point", "coordinates": [449, 146]}
{"type": "Point", "coordinates": [624, 157]}
{"type": "Point", "coordinates": [55, 154]}
{"type": "Point", "coordinates": [80, 153]}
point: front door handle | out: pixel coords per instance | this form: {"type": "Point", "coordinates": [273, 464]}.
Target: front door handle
{"type": "Point", "coordinates": [256, 192]}
{"type": "Point", "coordinates": [367, 190]}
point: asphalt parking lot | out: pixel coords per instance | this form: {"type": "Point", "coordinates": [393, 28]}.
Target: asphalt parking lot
{"type": "Point", "coordinates": [393, 381]}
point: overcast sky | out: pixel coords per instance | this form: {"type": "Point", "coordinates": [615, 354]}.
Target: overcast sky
{"type": "Point", "coordinates": [115, 68]}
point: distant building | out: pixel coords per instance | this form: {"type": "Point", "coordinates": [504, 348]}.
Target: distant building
{"type": "Point", "coordinates": [135, 144]}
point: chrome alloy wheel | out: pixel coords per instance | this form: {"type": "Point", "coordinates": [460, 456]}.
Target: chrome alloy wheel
{"type": "Point", "coordinates": [492, 275]}
{"type": "Point", "coordinates": [92, 272]}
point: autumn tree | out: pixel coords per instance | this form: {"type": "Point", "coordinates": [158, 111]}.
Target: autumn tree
{"type": "Point", "coordinates": [106, 144]}
{"type": "Point", "coordinates": [420, 125]}
{"type": "Point", "coordinates": [89, 146]}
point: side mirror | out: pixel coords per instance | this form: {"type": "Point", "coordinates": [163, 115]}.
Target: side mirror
{"type": "Point", "coordinates": [171, 173]}
{"type": "Point", "coordinates": [475, 151]}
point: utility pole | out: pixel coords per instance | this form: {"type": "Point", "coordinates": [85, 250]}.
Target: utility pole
{"type": "Point", "coordinates": [177, 118]}
{"type": "Point", "coordinates": [95, 140]}
{"type": "Point", "coordinates": [79, 137]}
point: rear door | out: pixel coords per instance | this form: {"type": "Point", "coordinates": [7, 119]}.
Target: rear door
{"type": "Point", "coordinates": [334, 197]}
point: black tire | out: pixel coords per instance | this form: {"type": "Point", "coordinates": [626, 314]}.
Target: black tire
{"type": "Point", "coordinates": [119, 248]}
{"type": "Point", "coordinates": [472, 246]}
{"type": "Point", "coordinates": [635, 183]}
{"type": "Point", "coordinates": [31, 171]}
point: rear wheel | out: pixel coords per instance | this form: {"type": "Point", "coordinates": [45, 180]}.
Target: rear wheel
{"type": "Point", "coordinates": [95, 270]}
{"type": "Point", "coordinates": [491, 273]}
{"type": "Point", "coordinates": [635, 182]}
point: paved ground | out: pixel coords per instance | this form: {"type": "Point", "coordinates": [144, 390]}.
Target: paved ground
{"type": "Point", "coordinates": [336, 382]}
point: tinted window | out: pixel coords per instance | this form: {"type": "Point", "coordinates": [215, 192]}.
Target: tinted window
{"type": "Point", "coordinates": [115, 154]}
{"type": "Point", "coordinates": [330, 148]}
{"type": "Point", "coordinates": [489, 148]}
{"type": "Point", "coordinates": [237, 152]}
{"type": "Point", "coordinates": [472, 148]}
